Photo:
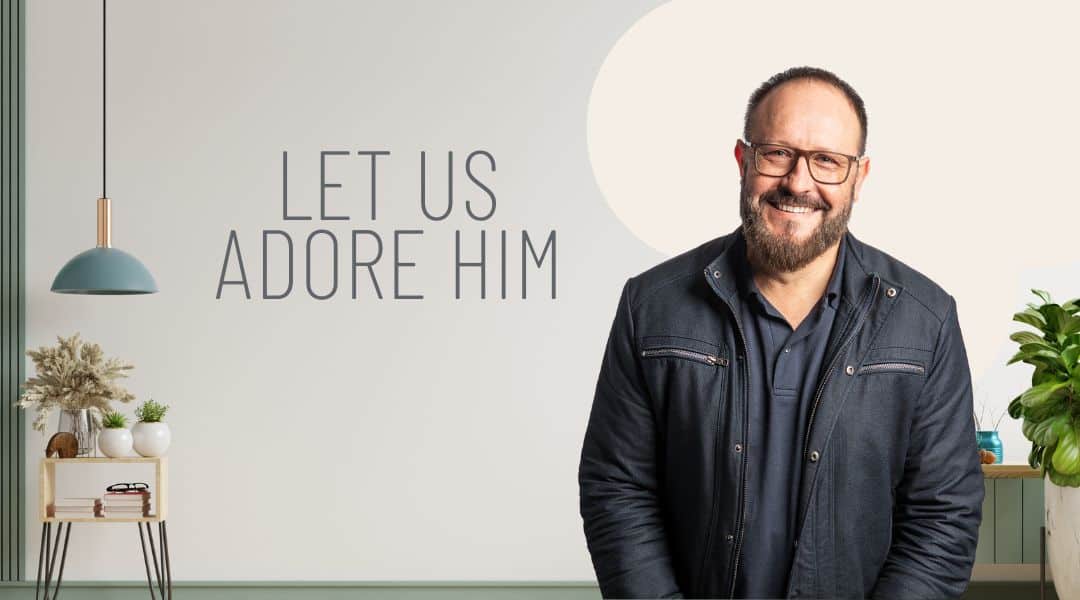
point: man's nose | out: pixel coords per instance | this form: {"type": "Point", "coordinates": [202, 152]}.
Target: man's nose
{"type": "Point", "coordinates": [799, 180]}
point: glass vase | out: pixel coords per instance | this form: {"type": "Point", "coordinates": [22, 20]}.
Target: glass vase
{"type": "Point", "coordinates": [79, 422]}
{"type": "Point", "coordinates": [989, 440]}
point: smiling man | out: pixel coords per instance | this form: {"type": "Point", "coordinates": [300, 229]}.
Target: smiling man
{"type": "Point", "coordinates": [785, 411]}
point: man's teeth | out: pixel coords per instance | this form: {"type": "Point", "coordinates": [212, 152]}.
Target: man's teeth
{"type": "Point", "coordinates": [793, 209]}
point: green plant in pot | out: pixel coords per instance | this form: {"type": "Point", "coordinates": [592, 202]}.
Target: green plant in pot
{"type": "Point", "coordinates": [1050, 413]}
{"type": "Point", "coordinates": [1050, 408]}
{"type": "Point", "coordinates": [151, 433]}
{"type": "Point", "coordinates": [114, 439]}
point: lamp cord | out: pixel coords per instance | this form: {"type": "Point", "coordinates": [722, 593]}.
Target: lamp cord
{"type": "Point", "coordinates": [103, 160]}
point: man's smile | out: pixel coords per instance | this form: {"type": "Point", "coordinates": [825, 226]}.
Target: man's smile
{"type": "Point", "coordinates": [791, 209]}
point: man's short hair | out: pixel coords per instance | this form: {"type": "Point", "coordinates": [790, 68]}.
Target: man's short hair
{"type": "Point", "coordinates": [813, 74]}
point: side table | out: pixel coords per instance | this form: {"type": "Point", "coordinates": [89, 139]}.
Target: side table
{"type": "Point", "coordinates": [160, 556]}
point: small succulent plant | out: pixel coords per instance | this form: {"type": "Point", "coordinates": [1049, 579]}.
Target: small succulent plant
{"type": "Point", "coordinates": [150, 411]}
{"type": "Point", "coordinates": [114, 420]}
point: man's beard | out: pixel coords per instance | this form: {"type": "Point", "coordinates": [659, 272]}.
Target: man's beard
{"type": "Point", "coordinates": [781, 253]}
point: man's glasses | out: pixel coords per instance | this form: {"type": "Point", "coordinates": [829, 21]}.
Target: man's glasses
{"type": "Point", "coordinates": [775, 160]}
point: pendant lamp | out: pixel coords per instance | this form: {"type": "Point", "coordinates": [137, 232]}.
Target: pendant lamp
{"type": "Point", "coordinates": [104, 269]}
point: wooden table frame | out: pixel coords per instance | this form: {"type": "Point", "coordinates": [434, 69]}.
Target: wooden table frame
{"type": "Point", "coordinates": [49, 547]}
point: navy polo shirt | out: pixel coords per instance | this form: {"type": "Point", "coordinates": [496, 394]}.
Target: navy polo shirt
{"type": "Point", "coordinates": [784, 365]}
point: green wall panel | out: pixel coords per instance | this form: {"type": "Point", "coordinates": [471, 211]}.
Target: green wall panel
{"type": "Point", "coordinates": [1008, 520]}
{"type": "Point", "coordinates": [12, 293]}
{"type": "Point", "coordinates": [984, 552]}
{"type": "Point", "coordinates": [1013, 513]}
{"type": "Point", "coordinates": [1034, 517]}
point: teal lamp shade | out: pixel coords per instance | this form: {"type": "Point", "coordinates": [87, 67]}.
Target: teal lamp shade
{"type": "Point", "coordinates": [104, 270]}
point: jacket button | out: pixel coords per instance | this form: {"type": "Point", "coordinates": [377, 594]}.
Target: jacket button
{"type": "Point", "coordinates": [814, 456]}
{"type": "Point", "coordinates": [729, 537]}
{"type": "Point", "coordinates": [716, 274]}
{"type": "Point", "coordinates": [890, 292]}
{"type": "Point", "coordinates": [849, 370]}
{"type": "Point", "coordinates": [796, 543]}
{"type": "Point", "coordinates": [738, 447]}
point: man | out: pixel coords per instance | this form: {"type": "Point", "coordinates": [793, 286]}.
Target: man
{"type": "Point", "coordinates": [785, 411]}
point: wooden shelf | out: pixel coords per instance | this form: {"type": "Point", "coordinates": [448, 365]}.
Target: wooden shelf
{"type": "Point", "coordinates": [1002, 471]}
{"type": "Point", "coordinates": [104, 459]}
{"type": "Point", "coordinates": [158, 497]}
{"type": "Point", "coordinates": [150, 519]}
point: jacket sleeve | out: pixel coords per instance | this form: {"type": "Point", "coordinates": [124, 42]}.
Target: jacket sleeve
{"type": "Point", "coordinates": [618, 477]}
{"type": "Point", "coordinates": [938, 504]}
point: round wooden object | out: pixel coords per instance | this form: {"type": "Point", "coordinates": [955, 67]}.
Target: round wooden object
{"type": "Point", "coordinates": [63, 444]}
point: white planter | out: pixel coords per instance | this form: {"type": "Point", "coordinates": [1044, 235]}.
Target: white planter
{"type": "Point", "coordinates": [115, 442]}
{"type": "Point", "coordinates": [1063, 538]}
{"type": "Point", "coordinates": [151, 439]}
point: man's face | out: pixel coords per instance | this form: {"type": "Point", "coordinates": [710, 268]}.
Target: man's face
{"type": "Point", "coordinates": [808, 115]}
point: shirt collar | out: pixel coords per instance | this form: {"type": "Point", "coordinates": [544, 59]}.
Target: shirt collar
{"type": "Point", "coordinates": [748, 288]}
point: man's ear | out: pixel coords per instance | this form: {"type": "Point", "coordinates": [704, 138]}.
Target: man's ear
{"type": "Point", "coordinates": [862, 171]}
{"type": "Point", "coordinates": [740, 152]}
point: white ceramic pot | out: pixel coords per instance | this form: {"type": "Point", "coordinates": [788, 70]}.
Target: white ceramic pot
{"type": "Point", "coordinates": [115, 442]}
{"type": "Point", "coordinates": [1063, 538]}
{"type": "Point", "coordinates": [151, 439]}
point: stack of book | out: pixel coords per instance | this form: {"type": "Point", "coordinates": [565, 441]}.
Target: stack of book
{"type": "Point", "coordinates": [77, 508]}
{"type": "Point", "coordinates": [132, 503]}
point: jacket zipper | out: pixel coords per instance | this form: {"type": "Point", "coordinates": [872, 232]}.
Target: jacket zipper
{"type": "Point", "coordinates": [891, 366]}
{"type": "Point", "coordinates": [836, 357]}
{"type": "Point", "coordinates": [742, 498]}
{"type": "Point", "coordinates": [708, 359]}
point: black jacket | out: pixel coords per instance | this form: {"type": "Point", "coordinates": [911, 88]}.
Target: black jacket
{"type": "Point", "coordinates": [892, 495]}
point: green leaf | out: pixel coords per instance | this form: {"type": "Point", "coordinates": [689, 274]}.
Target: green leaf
{"type": "Point", "coordinates": [1066, 459]}
{"type": "Point", "coordinates": [1044, 411]}
{"type": "Point", "coordinates": [1048, 431]}
{"type": "Point", "coordinates": [1031, 317]}
{"type": "Point", "coordinates": [1041, 393]}
{"type": "Point", "coordinates": [1035, 456]}
{"type": "Point", "coordinates": [1026, 337]}
{"type": "Point", "coordinates": [1070, 325]}
{"type": "Point", "coordinates": [1063, 479]}
{"type": "Point", "coordinates": [1016, 408]}
{"type": "Point", "coordinates": [1071, 306]}
{"type": "Point", "coordinates": [1069, 357]}
{"type": "Point", "coordinates": [1046, 370]}
{"type": "Point", "coordinates": [1045, 296]}
{"type": "Point", "coordinates": [1055, 317]}
{"type": "Point", "coordinates": [1028, 429]}
{"type": "Point", "coordinates": [1019, 356]}
{"type": "Point", "coordinates": [1035, 347]}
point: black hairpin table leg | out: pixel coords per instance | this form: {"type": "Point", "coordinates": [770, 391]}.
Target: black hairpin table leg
{"type": "Point", "coordinates": [146, 559]}
{"type": "Point", "coordinates": [165, 552]}
{"type": "Point", "coordinates": [162, 569]}
{"type": "Point", "coordinates": [47, 558]}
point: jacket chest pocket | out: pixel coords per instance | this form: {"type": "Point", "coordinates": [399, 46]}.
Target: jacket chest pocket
{"type": "Point", "coordinates": [682, 349]}
{"type": "Point", "coordinates": [705, 358]}
{"type": "Point", "coordinates": [685, 375]}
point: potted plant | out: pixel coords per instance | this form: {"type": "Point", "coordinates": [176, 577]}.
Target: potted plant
{"type": "Point", "coordinates": [77, 379]}
{"type": "Point", "coordinates": [115, 440]}
{"type": "Point", "coordinates": [1050, 410]}
{"type": "Point", "coordinates": [151, 434]}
